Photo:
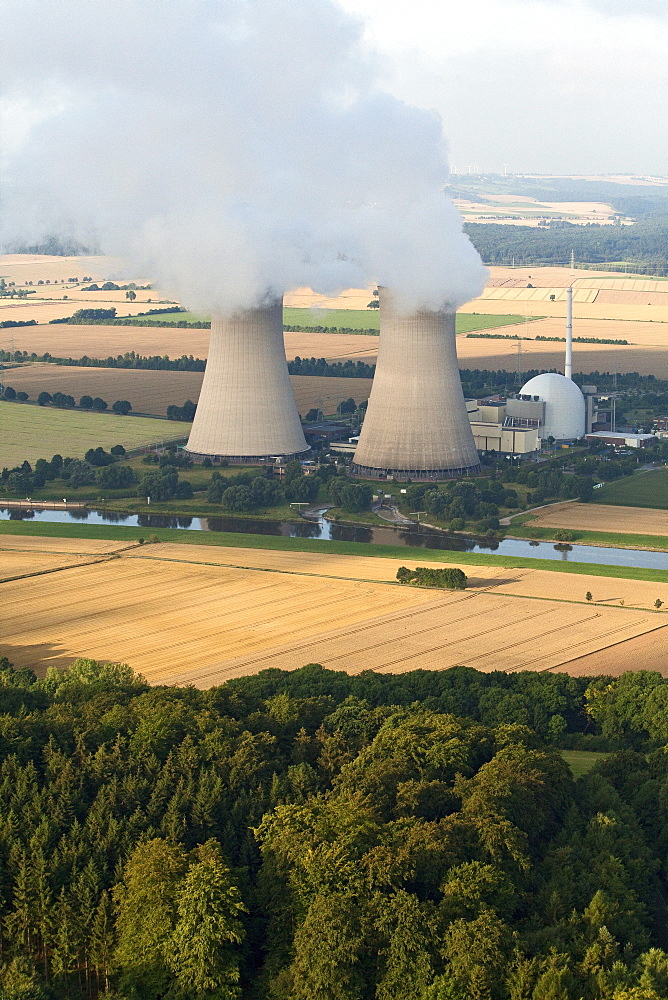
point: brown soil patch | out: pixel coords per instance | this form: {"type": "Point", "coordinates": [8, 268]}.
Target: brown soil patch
{"type": "Point", "coordinates": [603, 517]}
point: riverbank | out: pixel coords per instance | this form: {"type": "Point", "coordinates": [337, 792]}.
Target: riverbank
{"type": "Point", "coordinates": [406, 553]}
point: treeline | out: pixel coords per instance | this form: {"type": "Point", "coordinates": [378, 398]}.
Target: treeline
{"type": "Point", "coordinates": [310, 834]}
{"type": "Point", "coordinates": [334, 369]}
{"type": "Point", "coordinates": [104, 470]}
{"type": "Point", "coordinates": [368, 331]}
{"type": "Point", "coordinates": [65, 401]}
{"type": "Point", "coordinates": [517, 336]}
{"type": "Point", "coordinates": [248, 491]}
{"type": "Point", "coordinates": [154, 362]}
{"type": "Point", "coordinates": [24, 479]}
{"type": "Point", "coordinates": [7, 323]}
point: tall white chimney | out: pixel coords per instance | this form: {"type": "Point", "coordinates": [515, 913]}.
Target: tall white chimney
{"type": "Point", "coordinates": [568, 365]}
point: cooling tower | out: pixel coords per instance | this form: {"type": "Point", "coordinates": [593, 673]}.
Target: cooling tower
{"type": "Point", "coordinates": [416, 424]}
{"type": "Point", "coordinates": [246, 408]}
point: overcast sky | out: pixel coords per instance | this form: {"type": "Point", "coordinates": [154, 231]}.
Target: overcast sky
{"type": "Point", "coordinates": [567, 86]}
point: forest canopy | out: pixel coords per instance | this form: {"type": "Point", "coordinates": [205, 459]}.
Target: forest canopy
{"type": "Point", "coordinates": [311, 835]}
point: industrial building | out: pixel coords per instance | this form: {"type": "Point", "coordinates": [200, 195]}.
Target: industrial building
{"type": "Point", "coordinates": [416, 425]}
{"type": "Point", "coordinates": [506, 425]}
{"type": "Point", "coordinates": [246, 410]}
{"type": "Point", "coordinates": [622, 439]}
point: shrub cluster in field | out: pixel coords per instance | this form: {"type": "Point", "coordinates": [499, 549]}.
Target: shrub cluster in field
{"type": "Point", "coordinates": [310, 834]}
{"type": "Point", "coordinates": [448, 578]}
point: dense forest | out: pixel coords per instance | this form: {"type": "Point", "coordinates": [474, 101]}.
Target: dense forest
{"type": "Point", "coordinates": [316, 836]}
{"type": "Point", "coordinates": [642, 246]}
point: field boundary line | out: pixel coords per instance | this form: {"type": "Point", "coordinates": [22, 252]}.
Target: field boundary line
{"type": "Point", "coordinates": [60, 569]}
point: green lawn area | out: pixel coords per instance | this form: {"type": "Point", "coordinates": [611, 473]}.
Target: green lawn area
{"type": "Point", "coordinates": [582, 761]}
{"type": "Point", "coordinates": [32, 432]}
{"type": "Point", "coordinates": [355, 319]}
{"type": "Point", "coordinates": [363, 319]}
{"type": "Point", "coordinates": [642, 489]}
{"type": "Point", "coordinates": [351, 319]}
{"type": "Point", "coordinates": [278, 542]}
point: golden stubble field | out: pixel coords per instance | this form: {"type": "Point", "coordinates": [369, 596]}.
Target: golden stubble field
{"type": "Point", "coordinates": [202, 614]}
{"type": "Point", "coordinates": [602, 517]}
{"type": "Point", "coordinates": [151, 392]}
{"type": "Point", "coordinates": [607, 305]}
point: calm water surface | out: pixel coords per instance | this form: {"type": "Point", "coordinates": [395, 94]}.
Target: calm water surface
{"type": "Point", "coordinates": [319, 527]}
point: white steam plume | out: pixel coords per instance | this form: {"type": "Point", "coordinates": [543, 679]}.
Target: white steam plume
{"type": "Point", "coordinates": [228, 148]}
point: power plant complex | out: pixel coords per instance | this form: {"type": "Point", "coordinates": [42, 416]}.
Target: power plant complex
{"type": "Point", "coordinates": [418, 425]}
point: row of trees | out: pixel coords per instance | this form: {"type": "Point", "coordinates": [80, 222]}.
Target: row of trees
{"type": "Point", "coordinates": [335, 369]}
{"type": "Point", "coordinates": [64, 401]}
{"type": "Point", "coordinates": [154, 362]}
{"type": "Point", "coordinates": [311, 834]}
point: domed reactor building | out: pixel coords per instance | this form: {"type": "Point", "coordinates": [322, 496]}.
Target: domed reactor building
{"type": "Point", "coordinates": [416, 425]}
{"type": "Point", "coordinates": [565, 407]}
{"type": "Point", "coordinates": [246, 410]}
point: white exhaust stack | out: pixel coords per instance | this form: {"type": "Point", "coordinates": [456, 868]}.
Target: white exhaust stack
{"type": "Point", "coordinates": [568, 366]}
{"type": "Point", "coordinates": [416, 425]}
{"type": "Point", "coordinates": [246, 409]}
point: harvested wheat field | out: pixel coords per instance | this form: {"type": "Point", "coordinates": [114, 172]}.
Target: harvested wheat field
{"type": "Point", "coordinates": [186, 615]}
{"type": "Point", "coordinates": [71, 340]}
{"type": "Point", "coordinates": [151, 392]}
{"type": "Point", "coordinates": [18, 557]}
{"type": "Point", "coordinates": [602, 517]}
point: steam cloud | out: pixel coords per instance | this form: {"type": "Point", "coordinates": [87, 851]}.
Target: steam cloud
{"type": "Point", "coordinates": [228, 149]}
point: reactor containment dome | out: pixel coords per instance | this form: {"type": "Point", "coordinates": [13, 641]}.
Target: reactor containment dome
{"type": "Point", "coordinates": [565, 418]}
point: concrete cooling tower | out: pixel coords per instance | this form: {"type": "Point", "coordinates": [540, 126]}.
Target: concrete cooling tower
{"type": "Point", "coordinates": [416, 425]}
{"type": "Point", "coordinates": [246, 408]}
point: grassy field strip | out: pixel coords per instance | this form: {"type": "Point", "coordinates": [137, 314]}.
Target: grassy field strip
{"type": "Point", "coordinates": [603, 539]}
{"type": "Point", "coordinates": [581, 762]}
{"type": "Point", "coordinates": [648, 488]}
{"type": "Point", "coordinates": [281, 543]}
{"type": "Point", "coordinates": [32, 432]}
